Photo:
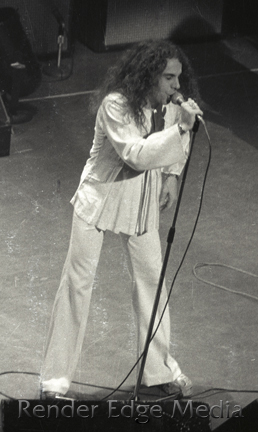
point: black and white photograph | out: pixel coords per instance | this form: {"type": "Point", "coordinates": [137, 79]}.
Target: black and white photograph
{"type": "Point", "coordinates": [128, 215]}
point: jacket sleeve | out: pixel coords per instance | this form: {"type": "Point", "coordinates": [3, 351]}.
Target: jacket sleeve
{"type": "Point", "coordinates": [156, 150]}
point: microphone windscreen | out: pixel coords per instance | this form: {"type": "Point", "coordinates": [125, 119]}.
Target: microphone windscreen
{"type": "Point", "coordinates": [177, 98]}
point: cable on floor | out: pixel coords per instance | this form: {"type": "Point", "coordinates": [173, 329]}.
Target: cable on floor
{"type": "Point", "coordinates": [211, 389]}
{"type": "Point", "coordinates": [200, 265]}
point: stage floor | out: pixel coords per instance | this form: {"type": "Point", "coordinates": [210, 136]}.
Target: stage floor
{"type": "Point", "coordinates": [214, 332]}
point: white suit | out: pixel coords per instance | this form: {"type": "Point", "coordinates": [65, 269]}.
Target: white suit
{"type": "Point", "coordinates": [119, 191]}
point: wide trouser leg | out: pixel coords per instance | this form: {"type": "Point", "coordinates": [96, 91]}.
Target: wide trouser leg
{"type": "Point", "coordinates": [144, 262]}
{"type": "Point", "coordinates": [71, 307]}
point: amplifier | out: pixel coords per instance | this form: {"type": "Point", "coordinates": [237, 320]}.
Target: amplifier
{"type": "Point", "coordinates": [103, 24]}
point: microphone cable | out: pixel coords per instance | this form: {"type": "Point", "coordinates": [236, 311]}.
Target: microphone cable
{"type": "Point", "coordinates": [203, 392]}
{"type": "Point", "coordinates": [200, 265]}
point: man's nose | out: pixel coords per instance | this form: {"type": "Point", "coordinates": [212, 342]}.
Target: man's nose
{"type": "Point", "coordinates": [176, 83]}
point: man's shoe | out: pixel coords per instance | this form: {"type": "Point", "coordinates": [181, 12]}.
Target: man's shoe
{"type": "Point", "coordinates": [182, 384]}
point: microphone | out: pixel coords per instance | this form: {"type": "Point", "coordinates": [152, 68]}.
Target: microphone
{"type": "Point", "coordinates": [52, 7]}
{"type": "Point", "coordinates": [177, 99]}
{"type": "Point", "coordinates": [60, 20]}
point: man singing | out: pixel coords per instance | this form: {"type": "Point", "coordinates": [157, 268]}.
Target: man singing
{"type": "Point", "coordinates": [130, 176]}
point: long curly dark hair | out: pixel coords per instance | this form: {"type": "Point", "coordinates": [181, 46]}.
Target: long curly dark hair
{"type": "Point", "coordinates": [138, 71]}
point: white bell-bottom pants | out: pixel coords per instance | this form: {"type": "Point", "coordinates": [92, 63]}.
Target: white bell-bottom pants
{"type": "Point", "coordinates": [72, 302]}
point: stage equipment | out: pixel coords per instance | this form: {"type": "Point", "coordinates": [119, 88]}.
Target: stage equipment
{"type": "Point", "coordinates": [5, 130]}
{"type": "Point", "coordinates": [39, 23]}
{"type": "Point", "coordinates": [240, 17]}
{"type": "Point", "coordinates": [170, 239]}
{"type": "Point", "coordinates": [248, 422]}
{"type": "Point", "coordinates": [113, 415]}
{"type": "Point", "coordinates": [107, 24]}
{"type": "Point", "coordinates": [57, 70]}
{"type": "Point", "coordinates": [20, 72]}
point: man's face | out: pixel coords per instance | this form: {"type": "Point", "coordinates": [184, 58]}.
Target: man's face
{"type": "Point", "coordinates": [168, 83]}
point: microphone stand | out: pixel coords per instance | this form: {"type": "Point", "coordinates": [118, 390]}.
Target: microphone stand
{"type": "Point", "coordinates": [170, 239]}
{"type": "Point", "coordinates": [58, 71]}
